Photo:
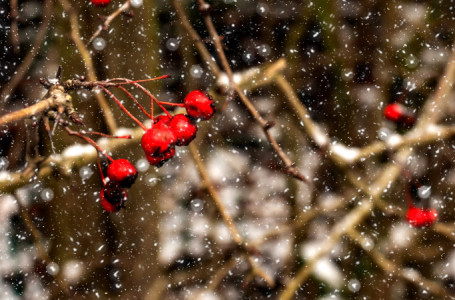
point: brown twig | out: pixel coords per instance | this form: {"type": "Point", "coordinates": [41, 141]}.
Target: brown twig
{"type": "Point", "coordinates": [390, 268]}
{"type": "Point", "coordinates": [88, 63]}
{"type": "Point", "coordinates": [54, 99]}
{"type": "Point", "coordinates": [289, 167]}
{"type": "Point", "coordinates": [125, 6]}
{"type": "Point", "coordinates": [42, 253]}
{"type": "Point", "coordinates": [208, 58]}
{"type": "Point", "coordinates": [13, 14]}
{"type": "Point", "coordinates": [257, 270]}
{"type": "Point", "coordinates": [30, 57]}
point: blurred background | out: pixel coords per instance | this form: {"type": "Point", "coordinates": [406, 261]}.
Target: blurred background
{"type": "Point", "coordinates": [346, 60]}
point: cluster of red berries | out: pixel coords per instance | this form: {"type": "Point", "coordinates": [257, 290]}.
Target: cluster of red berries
{"type": "Point", "coordinates": [169, 131]}
{"type": "Point", "coordinates": [158, 141]}
{"type": "Point", "coordinates": [399, 114]}
{"type": "Point", "coordinates": [100, 3]}
{"type": "Point", "coordinates": [122, 174]}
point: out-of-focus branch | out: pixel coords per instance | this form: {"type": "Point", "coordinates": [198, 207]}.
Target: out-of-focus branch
{"type": "Point", "coordinates": [74, 156]}
{"type": "Point", "coordinates": [125, 6]}
{"type": "Point", "coordinates": [30, 57]}
{"type": "Point", "coordinates": [13, 14]}
{"type": "Point", "coordinates": [315, 132]}
{"type": "Point", "coordinates": [390, 268]}
{"type": "Point", "coordinates": [289, 167]}
{"type": "Point", "coordinates": [351, 220]}
{"type": "Point", "coordinates": [42, 253]}
{"type": "Point", "coordinates": [257, 270]}
{"type": "Point", "coordinates": [30, 111]}
{"type": "Point", "coordinates": [88, 63]}
{"type": "Point", "coordinates": [208, 58]}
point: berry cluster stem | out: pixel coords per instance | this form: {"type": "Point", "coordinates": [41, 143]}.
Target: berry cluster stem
{"type": "Point", "coordinates": [88, 140]}
{"type": "Point", "coordinates": [123, 108]}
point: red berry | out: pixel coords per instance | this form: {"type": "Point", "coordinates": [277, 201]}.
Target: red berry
{"type": "Point", "coordinates": [159, 160]}
{"type": "Point", "coordinates": [112, 197]}
{"type": "Point", "coordinates": [394, 112]}
{"type": "Point", "coordinates": [162, 119]}
{"type": "Point", "coordinates": [199, 106]}
{"type": "Point", "coordinates": [418, 217]}
{"type": "Point", "coordinates": [100, 3]}
{"type": "Point", "coordinates": [122, 172]}
{"type": "Point", "coordinates": [158, 140]}
{"type": "Point", "coordinates": [398, 113]}
{"type": "Point", "coordinates": [184, 129]}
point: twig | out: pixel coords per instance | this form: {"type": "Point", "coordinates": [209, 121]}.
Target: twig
{"type": "Point", "coordinates": [342, 227]}
{"type": "Point", "coordinates": [390, 268]}
{"type": "Point", "coordinates": [30, 111]}
{"type": "Point", "coordinates": [318, 136]}
{"type": "Point", "coordinates": [257, 270]}
{"type": "Point", "coordinates": [30, 57]}
{"type": "Point", "coordinates": [68, 160]}
{"type": "Point", "coordinates": [289, 167]}
{"type": "Point", "coordinates": [217, 278]}
{"type": "Point", "coordinates": [55, 98]}
{"type": "Point", "coordinates": [42, 253]}
{"type": "Point", "coordinates": [14, 27]}
{"type": "Point", "coordinates": [88, 63]}
{"type": "Point", "coordinates": [208, 58]}
{"type": "Point", "coordinates": [125, 6]}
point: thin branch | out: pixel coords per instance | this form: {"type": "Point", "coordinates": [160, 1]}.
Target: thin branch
{"type": "Point", "coordinates": [88, 63]}
{"type": "Point", "coordinates": [339, 229]}
{"type": "Point", "coordinates": [390, 268]}
{"type": "Point", "coordinates": [124, 109]}
{"type": "Point", "coordinates": [315, 132]}
{"type": "Point", "coordinates": [42, 253]}
{"type": "Point", "coordinates": [125, 6]}
{"type": "Point", "coordinates": [13, 14]}
{"type": "Point", "coordinates": [30, 111]}
{"type": "Point", "coordinates": [74, 156]}
{"type": "Point", "coordinates": [289, 167]}
{"type": "Point", "coordinates": [207, 57]}
{"type": "Point", "coordinates": [24, 67]}
{"type": "Point", "coordinates": [257, 270]}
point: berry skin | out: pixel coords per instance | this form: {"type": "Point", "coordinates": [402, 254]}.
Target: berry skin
{"type": "Point", "coordinates": [158, 140]}
{"type": "Point", "coordinates": [199, 106]}
{"type": "Point", "coordinates": [100, 3]}
{"type": "Point", "coordinates": [398, 113]}
{"type": "Point", "coordinates": [184, 129]}
{"type": "Point", "coordinates": [162, 119]}
{"type": "Point", "coordinates": [418, 217]}
{"type": "Point", "coordinates": [112, 197]}
{"type": "Point", "coordinates": [159, 160]}
{"type": "Point", "coordinates": [394, 112]}
{"type": "Point", "coordinates": [122, 172]}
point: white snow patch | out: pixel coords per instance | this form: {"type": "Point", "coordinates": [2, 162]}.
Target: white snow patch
{"type": "Point", "coordinates": [78, 150]}
{"type": "Point", "coordinates": [346, 153]}
{"type": "Point", "coordinates": [394, 140]}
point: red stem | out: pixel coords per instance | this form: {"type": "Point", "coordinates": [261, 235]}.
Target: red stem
{"type": "Point", "coordinates": [135, 101]}
{"type": "Point", "coordinates": [152, 98]}
{"type": "Point", "coordinates": [123, 108]}
{"type": "Point", "coordinates": [90, 141]}
{"type": "Point", "coordinates": [172, 104]}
